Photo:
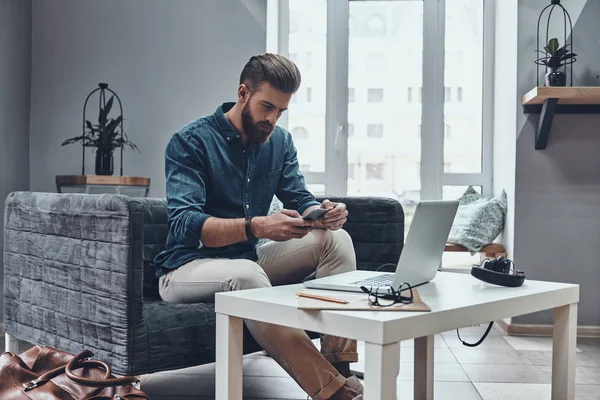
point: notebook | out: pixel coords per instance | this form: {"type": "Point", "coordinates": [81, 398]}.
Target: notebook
{"type": "Point", "coordinates": [359, 302]}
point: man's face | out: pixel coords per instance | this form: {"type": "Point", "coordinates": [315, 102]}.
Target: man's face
{"type": "Point", "coordinates": [261, 112]}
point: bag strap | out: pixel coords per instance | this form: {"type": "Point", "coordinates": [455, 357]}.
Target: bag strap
{"type": "Point", "coordinates": [54, 373]}
{"type": "Point", "coordinates": [82, 360]}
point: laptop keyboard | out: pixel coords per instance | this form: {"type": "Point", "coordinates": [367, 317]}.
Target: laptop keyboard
{"type": "Point", "coordinates": [376, 281]}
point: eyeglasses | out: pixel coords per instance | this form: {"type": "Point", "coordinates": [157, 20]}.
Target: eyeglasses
{"type": "Point", "coordinates": [386, 296]}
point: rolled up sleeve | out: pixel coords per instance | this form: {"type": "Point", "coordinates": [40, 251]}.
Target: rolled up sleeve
{"type": "Point", "coordinates": [186, 189]}
{"type": "Point", "coordinates": [292, 189]}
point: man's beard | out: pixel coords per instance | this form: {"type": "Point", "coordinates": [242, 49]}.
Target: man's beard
{"type": "Point", "coordinates": [258, 132]}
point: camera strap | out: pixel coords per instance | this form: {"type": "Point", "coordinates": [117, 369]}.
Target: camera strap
{"type": "Point", "coordinates": [489, 328]}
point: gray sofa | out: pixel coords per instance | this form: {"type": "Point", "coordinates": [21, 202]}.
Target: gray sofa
{"type": "Point", "coordinates": [78, 274]}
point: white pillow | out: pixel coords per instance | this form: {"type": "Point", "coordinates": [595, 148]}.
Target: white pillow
{"type": "Point", "coordinates": [276, 206]}
{"type": "Point", "coordinates": [478, 220]}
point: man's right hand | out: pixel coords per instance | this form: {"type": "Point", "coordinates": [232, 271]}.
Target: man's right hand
{"type": "Point", "coordinates": [281, 226]}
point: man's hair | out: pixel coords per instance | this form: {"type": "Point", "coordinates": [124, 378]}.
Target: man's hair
{"type": "Point", "coordinates": [277, 70]}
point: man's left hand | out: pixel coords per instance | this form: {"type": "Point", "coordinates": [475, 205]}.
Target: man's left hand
{"type": "Point", "coordinates": [336, 217]}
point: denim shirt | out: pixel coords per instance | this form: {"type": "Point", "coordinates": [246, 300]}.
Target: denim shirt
{"type": "Point", "coordinates": [209, 173]}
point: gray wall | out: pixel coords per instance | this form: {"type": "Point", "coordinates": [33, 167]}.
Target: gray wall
{"type": "Point", "coordinates": [557, 190]}
{"type": "Point", "coordinates": [15, 67]}
{"type": "Point", "coordinates": [169, 61]}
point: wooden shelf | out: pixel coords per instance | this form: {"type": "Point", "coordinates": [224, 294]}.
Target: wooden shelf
{"type": "Point", "coordinates": [548, 101]}
{"type": "Point", "coordinates": [567, 95]}
{"type": "Point", "coordinates": [102, 180]}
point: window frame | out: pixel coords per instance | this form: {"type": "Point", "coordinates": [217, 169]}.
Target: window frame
{"type": "Point", "coordinates": [433, 177]}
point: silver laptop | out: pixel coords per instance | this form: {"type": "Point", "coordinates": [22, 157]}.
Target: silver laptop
{"type": "Point", "coordinates": [419, 260]}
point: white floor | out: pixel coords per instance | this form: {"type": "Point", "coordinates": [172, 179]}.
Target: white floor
{"type": "Point", "coordinates": [515, 368]}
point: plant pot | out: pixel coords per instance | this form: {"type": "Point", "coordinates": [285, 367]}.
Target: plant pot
{"type": "Point", "coordinates": [555, 77]}
{"type": "Point", "coordinates": [104, 162]}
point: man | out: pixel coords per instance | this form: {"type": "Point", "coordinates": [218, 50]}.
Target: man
{"type": "Point", "coordinates": [222, 172]}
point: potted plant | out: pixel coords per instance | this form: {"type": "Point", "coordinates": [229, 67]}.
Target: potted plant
{"type": "Point", "coordinates": [555, 58]}
{"type": "Point", "coordinates": [104, 137]}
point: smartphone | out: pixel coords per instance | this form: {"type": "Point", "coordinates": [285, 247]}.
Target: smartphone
{"type": "Point", "coordinates": [315, 214]}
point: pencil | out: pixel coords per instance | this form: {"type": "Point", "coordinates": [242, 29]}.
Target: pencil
{"type": "Point", "coordinates": [314, 296]}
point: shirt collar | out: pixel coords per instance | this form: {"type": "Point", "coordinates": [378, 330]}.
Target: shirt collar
{"type": "Point", "coordinates": [227, 130]}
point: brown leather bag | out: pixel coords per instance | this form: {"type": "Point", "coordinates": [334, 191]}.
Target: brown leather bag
{"type": "Point", "coordinates": [44, 373]}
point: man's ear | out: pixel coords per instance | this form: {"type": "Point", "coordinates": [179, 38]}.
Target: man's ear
{"type": "Point", "coordinates": [243, 93]}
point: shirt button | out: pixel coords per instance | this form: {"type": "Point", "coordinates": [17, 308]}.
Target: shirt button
{"type": "Point", "coordinates": [248, 180]}
{"type": "Point", "coordinates": [228, 138]}
{"type": "Point", "coordinates": [247, 205]}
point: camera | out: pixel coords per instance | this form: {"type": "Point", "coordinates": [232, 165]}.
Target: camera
{"type": "Point", "coordinates": [499, 264]}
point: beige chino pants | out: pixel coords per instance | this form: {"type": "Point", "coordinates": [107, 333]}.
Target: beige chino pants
{"type": "Point", "coordinates": [324, 251]}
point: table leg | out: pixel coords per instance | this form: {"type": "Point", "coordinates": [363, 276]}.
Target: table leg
{"type": "Point", "coordinates": [382, 365]}
{"type": "Point", "coordinates": [229, 354]}
{"type": "Point", "coordinates": [563, 352]}
{"type": "Point", "coordinates": [423, 385]}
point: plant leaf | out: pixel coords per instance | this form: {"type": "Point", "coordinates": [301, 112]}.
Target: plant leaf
{"type": "Point", "coordinates": [73, 140]}
{"type": "Point", "coordinates": [105, 111]}
{"type": "Point", "coordinates": [552, 46]}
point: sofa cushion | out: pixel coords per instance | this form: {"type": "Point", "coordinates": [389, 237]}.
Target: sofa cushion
{"type": "Point", "coordinates": [274, 208]}
{"type": "Point", "coordinates": [183, 335]}
{"type": "Point", "coordinates": [478, 220]}
{"type": "Point", "coordinates": [376, 226]}
{"type": "Point", "coordinates": [156, 227]}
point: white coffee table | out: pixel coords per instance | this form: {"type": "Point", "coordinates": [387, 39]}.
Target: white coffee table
{"type": "Point", "coordinates": [457, 300]}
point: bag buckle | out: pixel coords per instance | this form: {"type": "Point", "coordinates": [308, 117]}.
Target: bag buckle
{"type": "Point", "coordinates": [30, 385]}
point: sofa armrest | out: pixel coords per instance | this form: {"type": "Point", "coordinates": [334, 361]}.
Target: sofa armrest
{"type": "Point", "coordinates": [73, 273]}
{"type": "Point", "coordinates": [376, 226]}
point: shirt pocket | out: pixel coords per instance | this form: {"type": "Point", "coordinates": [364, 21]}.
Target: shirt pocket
{"type": "Point", "coordinates": [265, 185]}
{"type": "Point", "coordinates": [268, 175]}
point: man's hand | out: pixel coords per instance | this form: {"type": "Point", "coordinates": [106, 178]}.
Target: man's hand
{"type": "Point", "coordinates": [336, 217]}
{"type": "Point", "coordinates": [282, 226]}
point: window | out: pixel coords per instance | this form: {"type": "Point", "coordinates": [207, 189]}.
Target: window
{"type": "Point", "coordinates": [351, 168]}
{"type": "Point", "coordinates": [439, 137]}
{"type": "Point", "coordinates": [308, 61]}
{"type": "Point", "coordinates": [294, 25]}
{"type": "Point", "coordinates": [464, 44]}
{"type": "Point", "coordinates": [350, 130]}
{"type": "Point", "coordinates": [308, 94]}
{"type": "Point", "coordinates": [299, 133]}
{"type": "Point", "coordinates": [374, 172]}
{"type": "Point", "coordinates": [304, 168]}
{"type": "Point", "coordinates": [375, 63]}
{"type": "Point", "coordinates": [375, 130]}
{"type": "Point", "coordinates": [352, 24]}
{"type": "Point", "coordinates": [375, 95]}
{"type": "Point", "coordinates": [377, 25]}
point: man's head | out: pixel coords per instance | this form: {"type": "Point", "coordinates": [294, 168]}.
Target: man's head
{"type": "Point", "coordinates": [267, 84]}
